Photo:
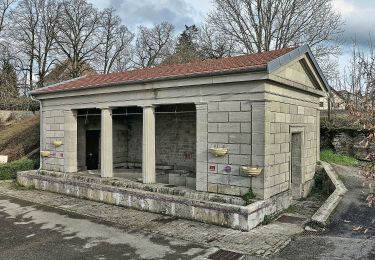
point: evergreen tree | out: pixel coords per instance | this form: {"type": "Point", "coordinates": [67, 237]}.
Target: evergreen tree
{"type": "Point", "coordinates": [187, 49]}
{"type": "Point", "coordinates": [8, 82]}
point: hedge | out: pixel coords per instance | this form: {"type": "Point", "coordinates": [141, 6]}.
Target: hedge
{"type": "Point", "coordinates": [9, 171]}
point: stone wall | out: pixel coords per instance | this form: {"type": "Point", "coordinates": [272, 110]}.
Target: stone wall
{"type": "Point", "coordinates": [282, 119]}
{"type": "Point", "coordinates": [175, 140]}
{"type": "Point", "coordinates": [346, 142]}
{"type": "Point", "coordinates": [53, 128]}
{"type": "Point", "coordinates": [7, 115]}
{"type": "Point", "coordinates": [120, 140]}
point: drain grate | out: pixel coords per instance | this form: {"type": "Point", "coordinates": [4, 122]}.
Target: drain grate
{"type": "Point", "coordinates": [225, 255]}
{"type": "Point", "coordinates": [164, 220]}
{"type": "Point", "coordinates": [290, 219]}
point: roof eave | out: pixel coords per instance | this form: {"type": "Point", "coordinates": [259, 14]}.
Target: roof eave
{"type": "Point", "coordinates": [35, 91]}
{"type": "Point", "coordinates": [261, 68]}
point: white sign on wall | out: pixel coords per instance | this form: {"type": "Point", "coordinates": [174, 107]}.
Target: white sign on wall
{"type": "Point", "coordinates": [3, 159]}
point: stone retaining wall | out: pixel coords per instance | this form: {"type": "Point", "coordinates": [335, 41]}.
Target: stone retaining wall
{"type": "Point", "coordinates": [6, 115]}
{"type": "Point", "coordinates": [346, 142]}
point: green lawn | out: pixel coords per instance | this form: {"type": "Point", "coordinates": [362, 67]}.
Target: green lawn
{"type": "Point", "coordinates": [331, 157]}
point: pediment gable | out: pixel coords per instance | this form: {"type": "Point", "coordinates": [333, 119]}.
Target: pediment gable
{"type": "Point", "coordinates": [302, 71]}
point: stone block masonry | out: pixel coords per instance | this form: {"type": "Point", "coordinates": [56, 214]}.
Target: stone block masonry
{"type": "Point", "coordinates": [175, 137]}
{"type": "Point", "coordinates": [229, 125]}
{"type": "Point", "coordinates": [284, 116]}
{"type": "Point", "coordinates": [55, 125]}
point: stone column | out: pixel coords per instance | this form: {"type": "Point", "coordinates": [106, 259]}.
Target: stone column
{"type": "Point", "coordinates": [148, 147]}
{"type": "Point", "coordinates": [70, 141]}
{"type": "Point", "coordinates": [106, 144]}
{"type": "Point", "coordinates": [201, 147]}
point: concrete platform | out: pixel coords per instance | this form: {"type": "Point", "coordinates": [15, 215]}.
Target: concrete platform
{"type": "Point", "coordinates": [228, 211]}
{"type": "Point", "coordinates": [171, 177]}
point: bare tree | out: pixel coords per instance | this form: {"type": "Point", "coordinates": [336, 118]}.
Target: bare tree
{"type": "Point", "coordinates": [46, 34]}
{"type": "Point", "coordinates": [77, 37]}
{"type": "Point", "coordinates": [34, 25]}
{"type": "Point", "coordinates": [214, 45]}
{"type": "Point", "coordinates": [263, 25]}
{"type": "Point", "coordinates": [353, 76]}
{"type": "Point", "coordinates": [25, 20]}
{"type": "Point", "coordinates": [116, 43]}
{"type": "Point", "coordinates": [5, 6]}
{"type": "Point", "coordinates": [153, 45]}
{"type": "Point", "coordinates": [360, 83]}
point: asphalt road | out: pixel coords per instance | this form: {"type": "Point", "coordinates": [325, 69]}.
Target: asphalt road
{"type": "Point", "coordinates": [339, 241]}
{"type": "Point", "coordinates": [30, 231]}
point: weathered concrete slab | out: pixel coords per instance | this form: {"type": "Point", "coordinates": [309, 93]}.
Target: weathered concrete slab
{"type": "Point", "coordinates": [199, 206]}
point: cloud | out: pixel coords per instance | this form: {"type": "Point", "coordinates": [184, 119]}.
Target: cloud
{"type": "Point", "coordinates": [344, 7]}
{"type": "Point", "coordinates": [148, 12]}
{"type": "Point", "coordinates": [359, 19]}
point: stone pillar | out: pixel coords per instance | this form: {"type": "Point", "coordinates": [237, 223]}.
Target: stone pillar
{"type": "Point", "coordinates": [201, 147]}
{"type": "Point", "coordinates": [148, 147]}
{"type": "Point", "coordinates": [70, 141]}
{"type": "Point", "coordinates": [260, 132]}
{"type": "Point", "coordinates": [106, 144]}
{"type": "Point", "coordinates": [317, 135]}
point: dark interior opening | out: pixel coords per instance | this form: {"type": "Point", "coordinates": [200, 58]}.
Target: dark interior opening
{"type": "Point", "coordinates": [92, 149]}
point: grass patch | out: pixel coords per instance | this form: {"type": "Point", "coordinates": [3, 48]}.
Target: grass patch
{"type": "Point", "coordinates": [8, 171]}
{"type": "Point", "coordinates": [19, 138]}
{"type": "Point", "coordinates": [291, 209]}
{"type": "Point", "coordinates": [331, 157]}
{"type": "Point", "coordinates": [268, 219]}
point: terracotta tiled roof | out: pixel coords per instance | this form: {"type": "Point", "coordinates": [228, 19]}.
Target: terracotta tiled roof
{"type": "Point", "coordinates": [250, 61]}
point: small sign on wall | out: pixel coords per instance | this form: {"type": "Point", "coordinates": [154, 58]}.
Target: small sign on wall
{"type": "Point", "coordinates": [3, 159]}
{"type": "Point", "coordinates": [212, 167]}
{"type": "Point", "coordinates": [227, 169]}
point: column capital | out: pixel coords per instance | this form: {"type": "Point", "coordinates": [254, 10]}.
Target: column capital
{"type": "Point", "coordinates": [106, 108]}
{"type": "Point", "coordinates": [72, 112]}
{"type": "Point", "coordinates": [149, 105]}
{"type": "Point", "coordinates": [201, 106]}
{"type": "Point", "coordinates": [201, 103]}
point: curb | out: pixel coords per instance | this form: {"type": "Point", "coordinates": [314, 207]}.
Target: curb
{"type": "Point", "coordinates": [322, 214]}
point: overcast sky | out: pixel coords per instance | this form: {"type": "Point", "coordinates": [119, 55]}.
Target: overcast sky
{"type": "Point", "coordinates": [358, 15]}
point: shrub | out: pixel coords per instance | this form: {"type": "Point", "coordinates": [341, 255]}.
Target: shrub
{"type": "Point", "coordinates": [248, 196]}
{"type": "Point", "coordinates": [9, 171]}
{"type": "Point", "coordinates": [331, 157]}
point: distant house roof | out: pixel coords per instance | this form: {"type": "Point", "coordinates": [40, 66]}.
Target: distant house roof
{"type": "Point", "coordinates": [250, 62]}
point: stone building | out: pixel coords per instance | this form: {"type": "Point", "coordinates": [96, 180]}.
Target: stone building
{"type": "Point", "coordinates": [217, 128]}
